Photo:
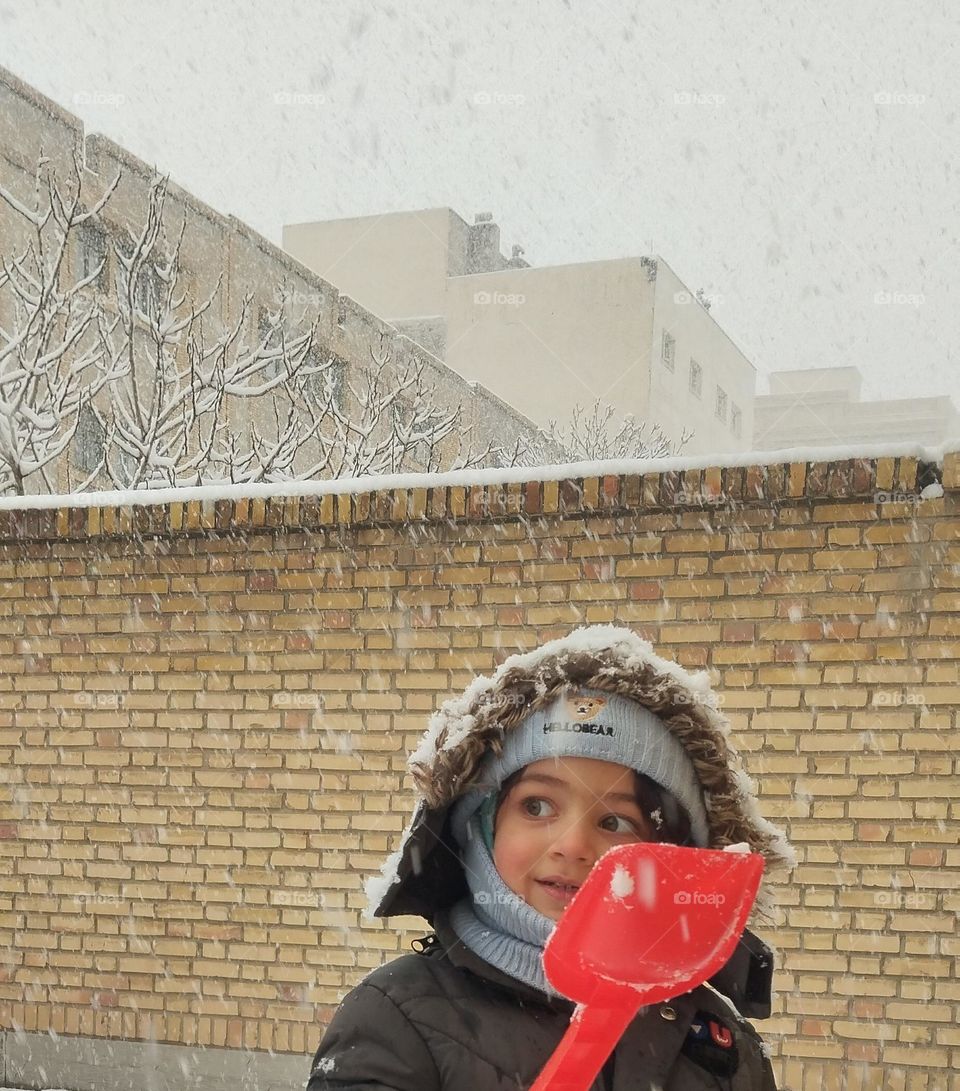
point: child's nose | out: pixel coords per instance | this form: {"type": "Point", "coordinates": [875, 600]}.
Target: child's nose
{"type": "Point", "coordinates": [577, 841]}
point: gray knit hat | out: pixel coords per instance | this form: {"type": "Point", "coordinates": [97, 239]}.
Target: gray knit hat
{"type": "Point", "coordinates": [591, 723]}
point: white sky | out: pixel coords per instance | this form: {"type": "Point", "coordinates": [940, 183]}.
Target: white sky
{"type": "Point", "coordinates": [742, 140]}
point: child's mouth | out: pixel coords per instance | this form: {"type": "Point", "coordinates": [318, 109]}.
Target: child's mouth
{"type": "Point", "coordinates": [560, 891]}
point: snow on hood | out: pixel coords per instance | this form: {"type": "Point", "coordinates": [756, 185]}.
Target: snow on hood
{"type": "Point", "coordinates": [607, 657]}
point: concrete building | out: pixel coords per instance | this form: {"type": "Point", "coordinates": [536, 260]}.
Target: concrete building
{"type": "Point", "coordinates": [627, 331]}
{"type": "Point", "coordinates": [213, 245]}
{"type": "Point", "coordinates": [822, 407]}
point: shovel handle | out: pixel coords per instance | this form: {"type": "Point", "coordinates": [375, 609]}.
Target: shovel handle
{"type": "Point", "coordinates": [588, 1041]}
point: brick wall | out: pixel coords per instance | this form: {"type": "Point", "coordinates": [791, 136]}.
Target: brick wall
{"type": "Point", "coordinates": [205, 709]}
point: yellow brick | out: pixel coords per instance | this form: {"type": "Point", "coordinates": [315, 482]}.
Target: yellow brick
{"type": "Point", "coordinates": [840, 513]}
{"type": "Point", "coordinates": [926, 1059]}
{"type": "Point", "coordinates": [845, 560]}
{"type": "Point", "coordinates": [868, 1030]}
{"type": "Point", "coordinates": [798, 675]}
{"type": "Point", "coordinates": [645, 566]}
{"type": "Point", "coordinates": [794, 538]}
{"type": "Point", "coordinates": [542, 573]}
{"type": "Point", "coordinates": [421, 679]}
{"type": "Point", "coordinates": [468, 575]}
{"type": "Point", "coordinates": [798, 472]}
{"type": "Point", "coordinates": [214, 968]}
{"type": "Point", "coordinates": [694, 543]}
{"type": "Point", "coordinates": [885, 473]}
{"type": "Point", "coordinates": [921, 922]}
{"type": "Point", "coordinates": [692, 588]}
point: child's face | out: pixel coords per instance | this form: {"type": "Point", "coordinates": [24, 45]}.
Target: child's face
{"type": "Point", "coordinates": [557, 819]}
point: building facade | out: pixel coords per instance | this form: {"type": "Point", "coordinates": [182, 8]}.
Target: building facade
{"type": "Point", "coordinates": [545, 339]}
{"type": "Point", "coordinates": [213, 246]}
{"type": "Point", "coordinates": [821, 407]}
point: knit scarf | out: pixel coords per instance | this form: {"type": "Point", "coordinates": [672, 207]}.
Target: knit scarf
{"type": "Point", "coordinates": [493, 921]}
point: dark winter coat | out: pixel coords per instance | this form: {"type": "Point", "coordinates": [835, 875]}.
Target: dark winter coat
{"type": "Point", "coordinates": [445, 1020]}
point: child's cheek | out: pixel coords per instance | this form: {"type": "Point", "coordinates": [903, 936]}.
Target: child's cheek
{"type": "Point", "coordinates": [513, 855]}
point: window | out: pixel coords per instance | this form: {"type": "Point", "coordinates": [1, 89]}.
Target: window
{"type": "Point", "coordinates": [696, 378]}
{"type": "Point", "coordinates": [147, 294]}
{"type": "Point", "coordinates": [735, 418]}
{"type": "Point", "coordinates": [336, 376]}
{"type": "Point", "coordinates": [92, 253]}
{"type": "Point", "coordinates": [125, 465]}
{"type": "Point", "coordinates": [88, 441]}
{"type": "Point", "coordinates": [721, 404]}
{"type": "Point", "coordinates": [421, 454]}
{"type": "Point", "coordinates": [269, 336]}
{"type": "Point", "coordinates": [333, 376]}
{"type": "Point", "coordinates": [146, 288]}
{"type": "Point", "coordinates": [265, 328]}
{"type": "Point", "coordinates": [668, 350]}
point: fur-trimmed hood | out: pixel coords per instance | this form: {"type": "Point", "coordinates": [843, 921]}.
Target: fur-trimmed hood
{"type": "Point", "coordinates": [425, 875]}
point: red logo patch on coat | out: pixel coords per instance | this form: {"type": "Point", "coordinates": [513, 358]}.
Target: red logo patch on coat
{"type": "Point", "coordinates": [720, 1034]}
{"type": "Point", "coordinates": [711, 1045]}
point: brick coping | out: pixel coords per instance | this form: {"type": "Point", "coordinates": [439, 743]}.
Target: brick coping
{"type": "Point", "coordinates": [888, 481]}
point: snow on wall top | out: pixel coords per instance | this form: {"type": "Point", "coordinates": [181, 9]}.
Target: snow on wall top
{"type": "Point", "coordinates": [489, 476]}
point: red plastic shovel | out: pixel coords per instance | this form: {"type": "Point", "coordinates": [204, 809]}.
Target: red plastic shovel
{"type": "Point", "coordinates": [650, 922]}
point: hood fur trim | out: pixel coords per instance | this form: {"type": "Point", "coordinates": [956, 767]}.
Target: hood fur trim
{"type": "Point", "coordinates": [603, 657]}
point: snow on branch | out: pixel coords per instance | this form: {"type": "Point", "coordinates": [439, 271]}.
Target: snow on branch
{"type": "Point", "coordinates": [163, 388]}
{"type": "Point", "coordinates": [49, 360]}
{"type": "Point", "coordinates": [591, 438]}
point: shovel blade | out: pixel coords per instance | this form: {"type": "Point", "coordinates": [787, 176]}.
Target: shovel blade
{"type": "Point", "coordinates": [655, 919]}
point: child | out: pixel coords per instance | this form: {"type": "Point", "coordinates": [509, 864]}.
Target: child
{"type": "Point", "coordinates": [587, 742]}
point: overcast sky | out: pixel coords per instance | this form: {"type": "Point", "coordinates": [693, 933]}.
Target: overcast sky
{"type": "Point", "coordinates": [800, 162]}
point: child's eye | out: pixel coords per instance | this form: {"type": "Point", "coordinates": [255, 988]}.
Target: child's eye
{"type": "Point", "coordinates": [630, 826]}
{"type": "Point", "coordinates": [533, 801]}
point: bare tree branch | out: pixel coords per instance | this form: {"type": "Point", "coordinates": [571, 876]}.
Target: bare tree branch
{"type": "Point", "coordinates": [49, 362]}
{"type": "Point", "coordinates": [591, 438]}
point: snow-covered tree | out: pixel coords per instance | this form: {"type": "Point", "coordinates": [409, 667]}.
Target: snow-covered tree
{"type": "Point", "coordinates": [325, 425]}
{"type": "Point", "coordinates": [592, 438]}
{"type": "Point", "coordinates": [389, 423]}
{"type": "Point", "coordinates": [160, 391]}
{"type": "Point", "coordinates": [175, 416]}
{"type": "Point", "coordinates": [176, 377]}
{"type": "Point", "coordinates": [50, 361]}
